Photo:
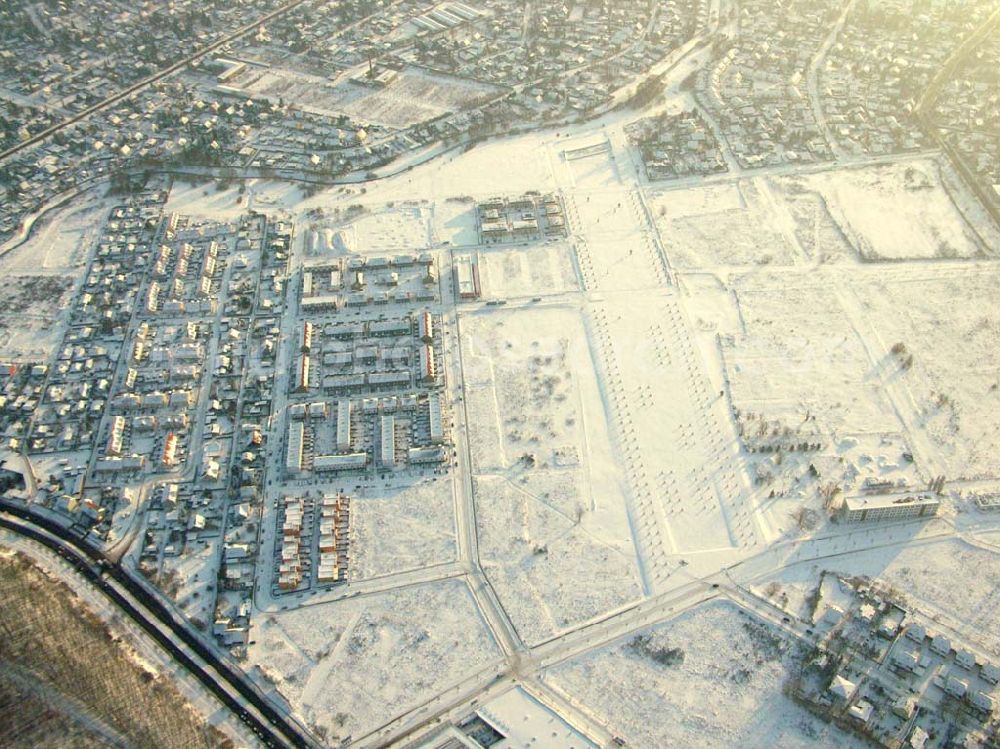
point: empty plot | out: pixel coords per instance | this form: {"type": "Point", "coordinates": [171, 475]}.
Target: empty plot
{"type": "Point", "coordinates": [802, 358]}
{"type": "Point", "coordinates": [403, 528]}
{"type": "Point", "coordinates": [740, 224]}
{"type": "Point", "coordinates": [551, 567]}
{"type": "Point", "coordinates": [542, 454]}
{"type": "Point", "coordinates": [948, 323]}
{"type": "Point", "coordinates": [896, 211]}
{"type": "Point", "coordinates": [348, 667]}
{"type": "Point", "coordinates": [404, 228]}
{"type": "Point", "coordinates": [519, 272]}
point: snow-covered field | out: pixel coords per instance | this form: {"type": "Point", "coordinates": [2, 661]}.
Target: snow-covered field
{"type": "Point", "coordinates": [949, 322]}
{"type": "Point", "coordinates": [896, 211]}
{"type": "Point", "coordinates": [413, 96]}
{"type": "Point", "coordinates": [724, 225]}
{"type": "Point", "coordinates": [454, 221]}
{"type": "Point", "coordinates": [514, 272]}
{"type": "Point", "coordinates": [799, 358]}
{"type": "Point", "coordinates": [554, 534]}
{"type": "Point", "coordinates": [38, 276]}
{"type": "Point", "coordinates": [60, 241]}
{"type": "Point", "coordinates": [207, 200]}
{"type": "Point", "coordinates": [551, 570]}
{"type": "Point", "coordinates": [402, 528]}
{"type": "Point", "coordinates": [348, 667]}
{"type": "Point", "coordinates": [712, 677]}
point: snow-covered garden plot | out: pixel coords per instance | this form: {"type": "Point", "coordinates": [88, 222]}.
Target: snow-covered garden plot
{"type": "Point", "coordinates": [348, 667]}
{"type": "Point", "coordinates": [684, 466]}
{"type": "Point", "coordinates": [709, 678]}
{"type": "Point", "coordinates": [896, 211]}
{"type": "Point", "coordinates": [413, 96]}
{"type": "Point", "coordinates": [511, 272]}
{"type": "Point", "coordinates": [712, 227]}
{"type": "Point", "coordinates": [551, 565]}
{"type": "Point", "coordinates": [402, 527]}
{"type": "Point", "coordinates": [367, 229]}
{"type": "Point", "coordinates": [392, 228]}
{"type": "Point", "coordinates": [945, 326]}
{"type": "Point", "coordinates": [416, 96]}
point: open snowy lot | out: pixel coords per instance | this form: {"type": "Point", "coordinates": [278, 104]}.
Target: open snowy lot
{"type": "Point", "coordinates": [512, 272]}
{"type": "Point", "coordinates": [551, 569]}
{"type": "Point", "coordinates": [387, 229]}
{"type": "Point", "coordinates": [60, 240]}
{"type": "Point", "coordinates": [948, 322]}
{"type": "Point", "coordinates": [454, 221]}
{"type": "Point", "coordinates": [735, 224]}
{"type": "Point", "coordinates": [348, 667]}
{"type": "Point", "coordinates": [208, 199]}
{"type": "Point", "coordinates": [897, 211]}
{"type": "Point", "coordinates": [800, 362]}
{"type": "Point", "coordinates": [403, 527]}
{"type": "Point", "coordinates": [554, 534]}
{"type": "Point", "coordinates": [711, 677]}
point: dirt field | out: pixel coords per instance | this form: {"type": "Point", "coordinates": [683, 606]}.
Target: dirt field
{"type": "Point", "coordinates": [86, 685]}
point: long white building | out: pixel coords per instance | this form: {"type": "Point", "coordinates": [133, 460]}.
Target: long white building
{"type": "Point", "coordinates": [295, 453]}
{"type": "Point", "coordinates": [343, 425]}
{"type": "Point", "coordinates": [388, 448]}
{"type": "Point", "coordinates": [889, 507]}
